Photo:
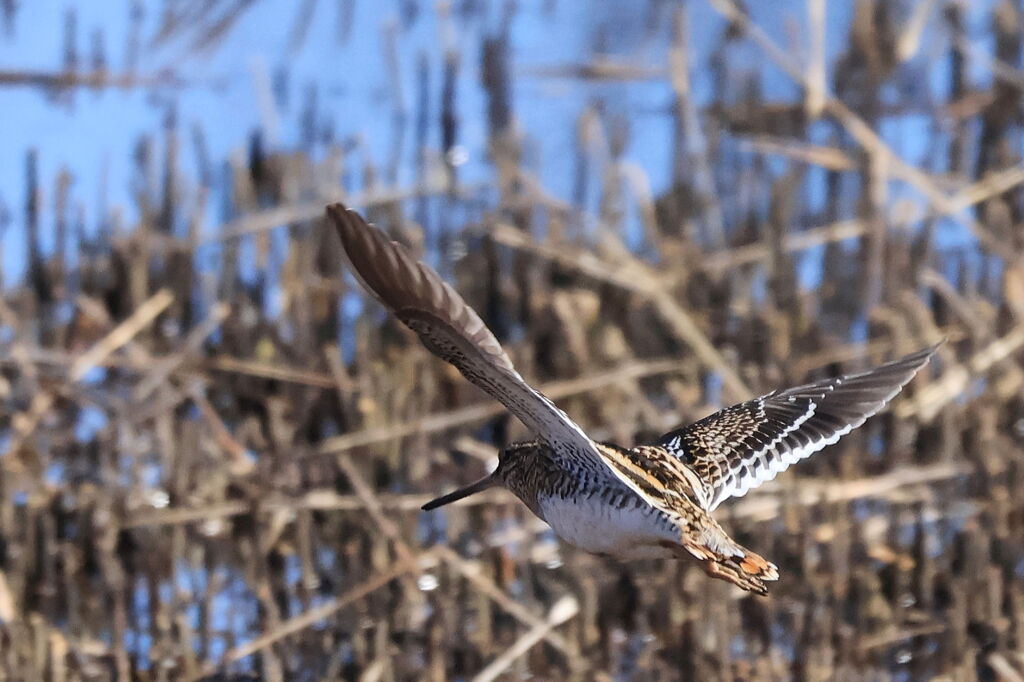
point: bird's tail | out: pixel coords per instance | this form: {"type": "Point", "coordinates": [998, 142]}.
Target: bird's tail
{"type": "Point", "coordinates": [483, 484]}
{"type": "Point", "coordinates": [723, 558]}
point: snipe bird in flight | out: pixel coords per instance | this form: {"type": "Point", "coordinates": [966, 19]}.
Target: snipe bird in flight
{"type": "Point", "coordinates": [649, 501]}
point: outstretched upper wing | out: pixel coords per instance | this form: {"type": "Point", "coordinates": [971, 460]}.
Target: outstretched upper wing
{"type": "Point", "coordinates": [741, 447]}
{"type": "Point", "coordinates": [450, 329]}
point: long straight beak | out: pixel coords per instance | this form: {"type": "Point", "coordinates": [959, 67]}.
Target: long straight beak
{"type": "Point", "coordinates": [481, 485]}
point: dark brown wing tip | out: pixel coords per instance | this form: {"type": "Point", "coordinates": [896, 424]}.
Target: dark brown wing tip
{"type": "Point", "coordinates": [344, 219]}
{"type": "Point", "coordinates": [384, 267]}
{"type": "Point", "coordinates": [867, 392]}
{"type": "Point", "coordinates": [336, 208]}
{"type": "Point", "coordinates": [925, 354]}
{"type": "Point", "coordinates": [352, 228]}
{"type": "Point", "coordinates": [904, 368]}
{"type": "Point", "coordinates": [411, 289]}
{"type": "Point", "coordinates": [347, 223]}
{"type": "Point", "coordinates": [915, 362]}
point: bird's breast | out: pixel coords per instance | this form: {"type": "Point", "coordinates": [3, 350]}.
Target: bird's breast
{"type": "Point", "coordinates": [625, 529]}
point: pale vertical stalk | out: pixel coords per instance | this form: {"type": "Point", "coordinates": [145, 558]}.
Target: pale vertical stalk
{"type": "Point", "coordinates": [910, 39]}
{"type": "Point", "coordinates": [814, 103]}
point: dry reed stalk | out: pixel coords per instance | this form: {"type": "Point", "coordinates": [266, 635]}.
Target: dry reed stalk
{"type": "Point", "coordinates": [440, 422]}
{"type": "Point", "coordinates": [814, 102]}
{"type": "Point", "coordinates": [561, 611]}
{"type": "Point", "coordinates": [315, 500]}
{"type": "Point", "coordinates": [262, 221]}
{"type": "Point", "coordinates": [765, 505]}
{"type": "Point", "coordinates": [815, 155]}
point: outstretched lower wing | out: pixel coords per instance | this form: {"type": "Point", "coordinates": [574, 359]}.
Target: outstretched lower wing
{"type": "Point", "coordinates": [450, 329]}
{"type": "Point", "coordinates": [742, 446]}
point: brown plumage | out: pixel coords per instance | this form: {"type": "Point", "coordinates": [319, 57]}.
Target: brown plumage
{"type": "Point", "coordinates": [645, 502]}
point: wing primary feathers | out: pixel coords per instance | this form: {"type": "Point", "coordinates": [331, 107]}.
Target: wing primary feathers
{"type": "Point", "coordinates": [741, 447]}
{"type": "Point", "coordinates": [450, 329]}
{"type": "Point", "coordinates": [394, 277]}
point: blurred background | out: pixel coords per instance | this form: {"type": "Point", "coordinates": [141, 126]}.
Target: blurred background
{"type": "Point", "coordinates": [214, 445]}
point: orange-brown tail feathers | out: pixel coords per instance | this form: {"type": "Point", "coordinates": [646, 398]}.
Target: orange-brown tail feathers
{"type": "Point", "coordinates": [726, 560]}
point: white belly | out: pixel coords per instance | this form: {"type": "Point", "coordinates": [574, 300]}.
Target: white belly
{"type": "Point", "coordinates": [629, 533]}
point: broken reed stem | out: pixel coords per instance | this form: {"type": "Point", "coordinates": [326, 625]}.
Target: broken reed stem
{"type": "Point", "coordinates": [121, 334]}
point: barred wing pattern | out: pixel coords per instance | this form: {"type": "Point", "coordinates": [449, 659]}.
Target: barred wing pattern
{"type": "Point", "coordinates": [450, 329]}
{"type": "Point", "coordinates": [741, 447]}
